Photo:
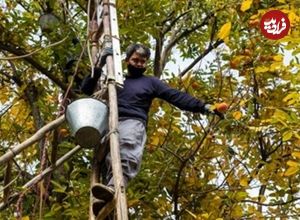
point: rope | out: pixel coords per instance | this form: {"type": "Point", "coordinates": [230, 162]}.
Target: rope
{"type": "Point", "coordinates": [88, 44]}
{"type": "Point", "coordinates": [105, 138]}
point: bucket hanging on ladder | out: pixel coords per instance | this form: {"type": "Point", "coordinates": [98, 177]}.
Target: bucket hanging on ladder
{"type": "Point", "coordinates": [88, 120]}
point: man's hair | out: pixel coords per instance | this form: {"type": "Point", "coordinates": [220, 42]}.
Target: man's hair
{"type": "Point", "coordinates": [138, 48]}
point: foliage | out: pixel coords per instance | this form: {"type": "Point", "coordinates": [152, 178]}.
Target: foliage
{"type": "Point", "coordinates": [194, 167]}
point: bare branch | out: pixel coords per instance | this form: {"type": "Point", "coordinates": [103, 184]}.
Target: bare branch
{"type": "Point", "coordinates": [168, 27]}
{"type": "Point", "coordinates": [35, 51]}
{"type": "Point", "coordinates": [58, 163]}
{"type": "Point", "coordinates": [37, 136]}
{"type": "Point", "coordinates": [272, 204]}
{"type": "Point", "coordinates": [7, 181]}
{"type": "Point", "coordinates": [35, 64]}
{"type": "Point", "coordinates": [208, 50]}
{"type": "Point", "coordinates": [175, 38]}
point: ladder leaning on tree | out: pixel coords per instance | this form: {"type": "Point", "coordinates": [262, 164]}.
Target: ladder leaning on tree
{"type": "Point", "coordinates": [103, 27]}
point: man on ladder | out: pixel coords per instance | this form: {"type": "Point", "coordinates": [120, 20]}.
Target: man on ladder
{"type": "Point", "coordinates": [134, 101]}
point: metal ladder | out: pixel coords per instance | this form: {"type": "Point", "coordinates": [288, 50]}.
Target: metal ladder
{"type": "Point", "coordinates": [104, 30]}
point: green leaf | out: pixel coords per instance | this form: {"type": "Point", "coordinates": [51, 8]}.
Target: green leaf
{"type": "Point", "coordinates": [241, 196]}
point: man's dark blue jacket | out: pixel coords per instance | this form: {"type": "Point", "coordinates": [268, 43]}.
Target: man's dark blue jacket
{"type": "Point", "coordinates": [134, 100]}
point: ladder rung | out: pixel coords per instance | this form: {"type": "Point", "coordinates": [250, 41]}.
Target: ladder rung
{"type": "Point", "coordinates": [106, 210]}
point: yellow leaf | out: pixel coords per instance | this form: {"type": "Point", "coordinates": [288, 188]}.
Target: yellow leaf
{"type": "Point", "coordinates": [26, 218]}
{"type": "Point", "coordinates": [4, 95]}
{"type": "Point", "coordinates": [244, 181]}
{"type": "Point", "coordinates": [281, 1]}
{"type": "Point", "coordinates": [205, 215]}
{"type": "Point", "coordinates": [257, 128]}
{"type": "Point", "coordinates": [196, 128]}
{"type": "Point", "coordinates": [186, 79]}
{"type": "Point", "coordinates": [275, 66]}
{"type": "Point", "coordinates": [287, 135]}
{"type": "Point", "coordinates": [253, 17]}
{"type": "Point", "coordinates": [237, 212]}
{"type": "Point", "coordinates": [243, 102]}
{"type": "Point", "coordinates": [292, 163]}
{"type": "Point", "coordinates": [279, 114]}
{"type": "Point", "coordinates": [278, 58]}
{"type": "Point", "coordinates": [296, 135]}
{"type": "Point", "coordinates": [155, 140]}
{"type": "Point", "coordinates": [296, 154]}
{"type": "Point", "coordinates": [293, 18]}
{"type": "Point", "coordinates": [246, 5]}
{"type": "Point", "coordinates": [224, 31]}
{"type": "Point", "coordinates": [291, 98]}
{"type": "Point", "coordinates": [176, 129]}
{"type": "Point", "coordinates": [261, 69]}
{"type": "Point", "coordinates": [237, 115]}
{"type": "Point", "coordinates": [291, 171]}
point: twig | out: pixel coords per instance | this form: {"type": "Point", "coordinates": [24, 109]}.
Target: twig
{"type": "Point", "coordinates": [11, 182]}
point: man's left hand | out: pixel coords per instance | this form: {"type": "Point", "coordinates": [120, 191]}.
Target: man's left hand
{"type": "Point", "coordinates": [107, 51]}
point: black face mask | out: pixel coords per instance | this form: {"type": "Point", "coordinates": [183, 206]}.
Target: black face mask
{"type": "Point", "coordinates": [134, 71]}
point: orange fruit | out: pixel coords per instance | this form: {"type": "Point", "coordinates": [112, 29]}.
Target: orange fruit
{"type": "Point", "coordinates": [63, 132]}
{"type": "Point", "coordinates": [222, 107]}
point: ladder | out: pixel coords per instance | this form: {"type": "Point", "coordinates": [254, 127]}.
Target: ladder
{"type": "Point", "coordinates": [103, 27]}
{"type": "Point", "coordinates": [104, 30]}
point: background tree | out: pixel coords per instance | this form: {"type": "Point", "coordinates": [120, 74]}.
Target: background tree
{"type": "Point", "coordinates": [244, 167]}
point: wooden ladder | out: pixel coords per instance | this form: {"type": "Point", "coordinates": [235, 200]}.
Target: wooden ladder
{"type": "Point", "coordinates": [104, 30]}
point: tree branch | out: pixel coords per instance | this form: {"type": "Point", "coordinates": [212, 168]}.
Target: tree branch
{"type": "Point", "coordinates": [272, 204]}
{"type": "Point", "coordinates": [168, 27]}
{"type": "Point", "coordinates": [208, 50]}
{"type": "Point", "coordinates": [37, 136]}
{"type": "Point", "coordinates": [176, 38]}
{"type": "Point", "coordinates": [35, 64]}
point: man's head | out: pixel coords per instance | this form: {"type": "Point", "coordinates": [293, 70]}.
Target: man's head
{"type": "Point", "coordinates": [137, 56]}
{"type": "Point", "coordinates": [140, 49]}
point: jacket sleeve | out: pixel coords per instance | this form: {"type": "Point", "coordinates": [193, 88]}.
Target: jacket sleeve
{"type": "Point", "coordinates": [182, 100]}
{"type": "Point", "coordinates": [88, 84]}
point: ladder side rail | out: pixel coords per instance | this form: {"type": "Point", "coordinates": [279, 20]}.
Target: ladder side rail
{"type": "Point", "coordinates": [118, 72]}
{"type": "Point", "coordinates": [120, 194]}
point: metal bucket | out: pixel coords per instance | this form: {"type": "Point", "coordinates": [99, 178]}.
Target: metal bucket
{"type": "Point", "coordinates": [88, 120]}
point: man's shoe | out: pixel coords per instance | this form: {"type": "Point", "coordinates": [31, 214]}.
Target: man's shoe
{"type": "Point", "coordinates": [97, 206]}
{"type": "Point", "coordinates": [102, 192]}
